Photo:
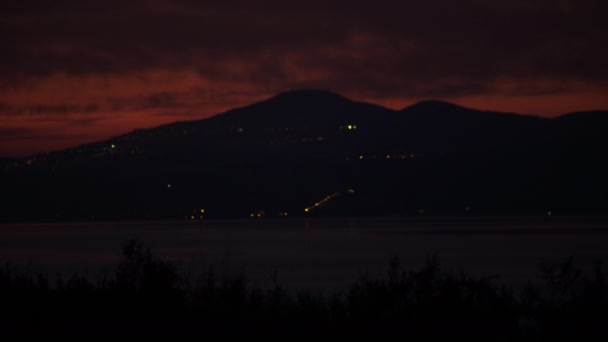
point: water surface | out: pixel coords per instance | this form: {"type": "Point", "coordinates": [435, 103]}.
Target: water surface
{"type": "Point", "coordinates": [314, 253]}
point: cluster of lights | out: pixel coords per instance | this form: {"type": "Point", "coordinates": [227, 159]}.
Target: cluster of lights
{"type": "Point", "coordinates": [197, 214]}
{"type": "Point", "coordinates": [349, 127]}
{"type": "Point", "coordinates": [258, 214]}
{"type": "Point", "coordinates": [262, 214]}
{"type": "Point", "coordinates": [322, 202]}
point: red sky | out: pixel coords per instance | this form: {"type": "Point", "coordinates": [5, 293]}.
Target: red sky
{"type": "Point", "coordinates": [75, 71]}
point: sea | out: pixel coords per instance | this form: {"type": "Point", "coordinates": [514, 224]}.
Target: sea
{"type": "Point", "coordinates": [315, 254]}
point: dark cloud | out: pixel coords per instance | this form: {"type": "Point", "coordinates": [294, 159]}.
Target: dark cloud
{"type": "Point", "coordinates": [10, 134]}
{"type": "Point", "coordinates": [85, 121]}
{"type": "Point", "coordinates": [407, 42]}
{"type": "Point", "coordinates": [157, 100]}
{"type": "Point", "coordinates": [53, 110]}
{"type": "Point", "coordinates": [28, 134]}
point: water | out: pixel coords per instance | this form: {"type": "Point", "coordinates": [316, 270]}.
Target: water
{"type": "Point", "coordinates": [315, 253]}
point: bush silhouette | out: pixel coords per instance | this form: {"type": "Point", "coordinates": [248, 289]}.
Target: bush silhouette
{"type": "Point", "coordinates": [146, 296]}
{"type": "Point", "coordinates": [141, 272]}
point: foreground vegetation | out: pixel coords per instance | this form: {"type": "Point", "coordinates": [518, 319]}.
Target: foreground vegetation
{"type": "Point", "coordinates": [146, 296]}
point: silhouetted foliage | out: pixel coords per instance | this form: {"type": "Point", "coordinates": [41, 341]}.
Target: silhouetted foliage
{"type": "Point", "coordinates": [146, 296]}
{"type": "Point", "coordinates": [141, 272]}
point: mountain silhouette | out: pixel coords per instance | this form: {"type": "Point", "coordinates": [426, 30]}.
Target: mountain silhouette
{"type": "Point", "coordinates": [305, 108]}
{"type": "Point", "coordinates": [301, 148]}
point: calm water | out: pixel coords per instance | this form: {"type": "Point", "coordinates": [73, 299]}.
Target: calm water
{"type": "Point", "coordinates": [323, 253]}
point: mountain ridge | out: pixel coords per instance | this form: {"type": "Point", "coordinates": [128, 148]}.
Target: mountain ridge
{"type": "Point", "coordinates": [306, 100]}
{"type": "Point", "coordinates": [295, 150]}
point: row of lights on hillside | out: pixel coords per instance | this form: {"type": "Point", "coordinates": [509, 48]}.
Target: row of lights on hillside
{"type": "Point", "coordinates": [390, 156]}
{"type": "Point", "coordinates": [199, 213]}
{"type": "Point", "coordinates": [261, 214]}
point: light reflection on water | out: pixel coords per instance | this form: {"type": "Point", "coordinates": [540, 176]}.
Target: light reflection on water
{"type": "Point", "coordinates": [315, 253]}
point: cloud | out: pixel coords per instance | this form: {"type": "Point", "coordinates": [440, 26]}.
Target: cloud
{"type": "Point", "coordinates": [470, 39]}
{"type": "Point", "coordinates": [12, 133]}
{"type": "Point", "coordinates": [89, 121]}
{"type": "Point", "coordinates": [53, 110]}
{"type": "Point", "coordinates": [96, 61]}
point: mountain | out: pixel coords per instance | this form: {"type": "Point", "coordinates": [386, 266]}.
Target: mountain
{"type": "Point", "coordinates": [297, 149]}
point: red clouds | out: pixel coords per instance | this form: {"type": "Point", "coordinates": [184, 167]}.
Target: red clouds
{"type": "Point", "coordinates": [75, 71]}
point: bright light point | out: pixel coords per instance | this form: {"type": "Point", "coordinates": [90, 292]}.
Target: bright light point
{"type": "Point", "coordinates": [388, 156]}
{"type": "Point", "coordinates": [113, 146]}
{"type": "Point", "coordinates": [192, 217]}
{"type": "Point", "coordinates": [168, 185]}
{"type": "Point", "coordinates": [306, 210]}
{"type": "Point", "coordinates": [349, 127]}
{"type": "Point", "coordinates": [203, 211]}
{"type": "Point", "coordinates": [360, 157]}
{"type": "Point", "coordinates": [549, 213]}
